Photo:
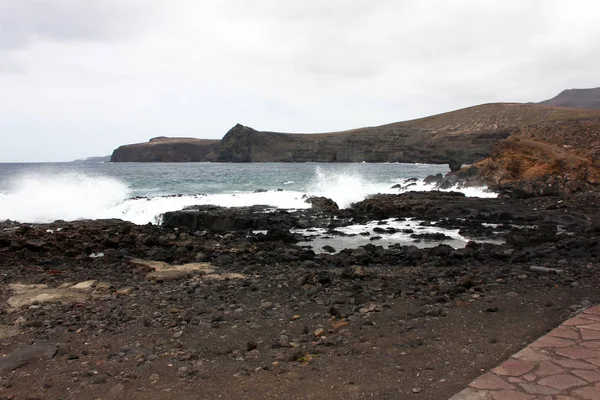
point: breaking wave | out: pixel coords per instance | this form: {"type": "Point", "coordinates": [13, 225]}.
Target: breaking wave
{"type": "Point", "coordinates": [46, 197]}
{"type": "Point", "coordinates": [43, 197]}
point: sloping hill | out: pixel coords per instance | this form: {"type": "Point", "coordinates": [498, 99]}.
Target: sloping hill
{"type": "Point", "coordinates": [457, 137]}
{"type": "Point", "coordinates": [462, 136]}
{"type": "Point", "coordinates": [576, 98]}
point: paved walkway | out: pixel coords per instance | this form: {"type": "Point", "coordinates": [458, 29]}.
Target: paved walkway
{"type": "Point", "coordinates": [563, 365]}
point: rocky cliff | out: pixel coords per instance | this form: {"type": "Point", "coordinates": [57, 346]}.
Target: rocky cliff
{"type": "Point", "coordinates": [164, 149]}
{"type": "Point", "coordinates": [457, 137]}
{"type": "Point", "coordinates": [576, 98]}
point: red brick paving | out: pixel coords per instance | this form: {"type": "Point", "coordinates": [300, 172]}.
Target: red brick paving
{"type": "Point", "coordinates": [562, 365]}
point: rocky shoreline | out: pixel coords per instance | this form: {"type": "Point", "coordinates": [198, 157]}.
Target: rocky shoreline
{"type": "Point", "coordinates": [224, 303]}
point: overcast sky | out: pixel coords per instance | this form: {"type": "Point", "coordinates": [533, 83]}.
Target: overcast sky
{"type": "Point", "coordinates": [80, 77]}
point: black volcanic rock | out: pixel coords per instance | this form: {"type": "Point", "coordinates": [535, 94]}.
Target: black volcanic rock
{"type": "Point", "coordinates": [324, 204]}
{"type": "Point", "coordinates": [576, 98]}
{"type": "Point", "coordinates": [222, 219]}
{"type": "Point", "coordinates": [454, 165]}
{"type": "Point", "coordinates": [433, 179]}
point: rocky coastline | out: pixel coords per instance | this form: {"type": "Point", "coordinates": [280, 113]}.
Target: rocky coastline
{"type": "Point", "coordinates": [262, 303]}
{"type": "Point", "coordinates": [233, 303]}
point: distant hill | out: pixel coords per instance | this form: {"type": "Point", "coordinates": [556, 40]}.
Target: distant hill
{"type": "Point", "coordinates": [457, 137]}
{"type": "Point", "coordinates": [576, 98]}
{"type": "Point", "coordinates": [165, 149]}
{"type": "Point", "coordinates": [93, 159]}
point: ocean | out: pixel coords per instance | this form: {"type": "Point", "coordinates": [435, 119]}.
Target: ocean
{"type": "Point", "coordinates": [141, 192]}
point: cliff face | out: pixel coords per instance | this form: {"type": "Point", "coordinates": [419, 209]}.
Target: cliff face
{"type": "Point", "coordinates": [396, 144]}
{"type": "Point", "coordinates": [576, 98]}
{"type": "Point", "coordinates": [458, 137]}
{"type": "Point", "coordinates": [463, 136]}
{"type": "Point", "coordinates": [168, 150]}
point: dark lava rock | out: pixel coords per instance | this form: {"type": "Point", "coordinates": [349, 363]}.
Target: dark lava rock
{"type": "Point", "coordinates": [328, 249]}
{"type": "Point", "coordinates": [430, 236]}
{"type": "Point", "coordinates": [441, 250]}
{"type": "Point", "coordinates": [280, 235]}
{"type": "Point", "coordinates": [454, 165]}
{"type": "Point", "coordinates": [433, 179]}
{"type": "Point", "coordinates": [448, 181]}
{"type": "Point", "coordinates": [223, 219]}
{"type": "Point", "coordinates": [322, 204]}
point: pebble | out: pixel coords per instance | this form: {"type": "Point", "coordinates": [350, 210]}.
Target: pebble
{"type": "Point", "coordinates": [284, 341]}
{"type": "Point", "coordinates": [103, 286]}
{"type": "Point", "coordinates": [339, 325]}
{"type": "Point", "coordinates": [125, 291]}
{"type": "Point", "coordinates": [183, 372]}
{"type": "Point", "coordinates": [251, 345]}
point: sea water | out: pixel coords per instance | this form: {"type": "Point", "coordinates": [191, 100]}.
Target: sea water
{"type": "Point", "coordinates": [141, 192]}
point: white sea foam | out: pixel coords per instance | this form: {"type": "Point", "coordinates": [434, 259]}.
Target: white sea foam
{"type": "Point", "coordinates": [45, 197]}
{"type": "Point", "coordinates": [344, 187]}
{"type": "Point", "coordinates": [40, 197]}
{"type": "Point", "coordinates": [141, 211]}
{"type": "Point", "coordinates": [321, 237]}
{"type": "Point", "coordinates": [478, 191]}
{"type": "Point", "coordinates": [348, 187]}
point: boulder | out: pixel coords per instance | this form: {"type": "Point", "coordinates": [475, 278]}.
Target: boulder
{"type": "Point", "coordinates": [222, 219]}
{"type": "Point", "coordinates": [433, 179]}
{"type": "Point", "coordinates": [448, 181]}
{"type": "Point", "coordinates": [455, 165]}
{"type": "Point", "coordinates": [322, 204]}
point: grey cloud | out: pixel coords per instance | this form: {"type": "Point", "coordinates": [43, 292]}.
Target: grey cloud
{"type": "Point", "coordinates": [100, 73]}
{"type": "Point", "coordinates": [26, 21]}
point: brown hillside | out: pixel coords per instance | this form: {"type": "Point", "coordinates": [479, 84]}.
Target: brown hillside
{"type": "Point", "coordinates": [524, 160]}
{"type": "Point", "coordinates": [568, 151]}
{"type": "Point", "coordinates": [465, 136]}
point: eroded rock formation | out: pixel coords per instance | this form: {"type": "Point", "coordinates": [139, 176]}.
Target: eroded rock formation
{"type": "Point", "coordinates": [162, 149]}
